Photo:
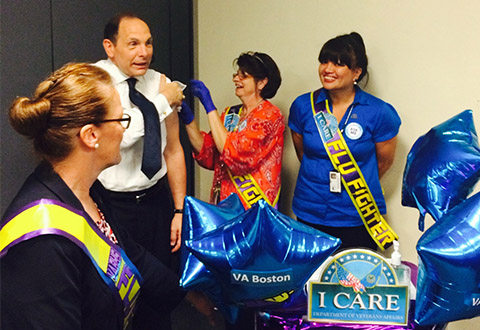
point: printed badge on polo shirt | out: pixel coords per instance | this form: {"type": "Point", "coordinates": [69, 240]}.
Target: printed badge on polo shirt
{"type": "Point", "coordinates": [354, 131]}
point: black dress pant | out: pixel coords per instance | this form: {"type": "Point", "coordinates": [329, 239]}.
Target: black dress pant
{"type": "Point", "coordinates": [147, 216]}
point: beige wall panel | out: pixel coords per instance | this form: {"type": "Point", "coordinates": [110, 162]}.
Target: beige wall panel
{"type": "Point", "coordinates": [423, 59]}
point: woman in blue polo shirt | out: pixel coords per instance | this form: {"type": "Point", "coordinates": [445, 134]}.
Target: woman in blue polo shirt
{"type": "Point", "coordinates": [369, 127]}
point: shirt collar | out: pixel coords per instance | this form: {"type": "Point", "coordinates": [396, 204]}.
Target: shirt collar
{"type": "Point", "coordinates": [50, 179]}
{"type": "Point", "coordinates": [118, 76]}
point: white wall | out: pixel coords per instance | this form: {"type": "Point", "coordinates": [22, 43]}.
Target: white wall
{"type": "Point", "coordinates": [423, 59]}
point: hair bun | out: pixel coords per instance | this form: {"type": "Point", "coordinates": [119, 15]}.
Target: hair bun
{"type": "Point", "coordinates": [357, 38]}
{"type": "Point", "coordinates": [29, 117]}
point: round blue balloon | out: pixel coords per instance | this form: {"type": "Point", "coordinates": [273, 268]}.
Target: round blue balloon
{"type": "Point", "coordinates": [442, 167]}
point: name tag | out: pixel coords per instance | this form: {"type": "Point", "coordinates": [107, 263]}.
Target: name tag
{"type": "Point", "coordinates": [335, 182]}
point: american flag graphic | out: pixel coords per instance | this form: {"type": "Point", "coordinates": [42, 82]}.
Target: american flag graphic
{"type": "Point", "coordinates": [347, 279]}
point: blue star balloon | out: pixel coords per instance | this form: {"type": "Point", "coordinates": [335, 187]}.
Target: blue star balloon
{"type": "Point", "coordinates": [199, 218]}
{"type": "Point", "coordinates": [448, 286]}
{"type": "Point", "coordinates": [442, 167]}
{"type": "Point", "coordinates": [262, 258]}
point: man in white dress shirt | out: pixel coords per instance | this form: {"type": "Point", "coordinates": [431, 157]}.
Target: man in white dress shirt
{"type": "Point", "coordinates": [141, 204]}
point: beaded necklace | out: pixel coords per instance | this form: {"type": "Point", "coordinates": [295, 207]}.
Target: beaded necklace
{"type": "Point", "coordinates": [104, 227]}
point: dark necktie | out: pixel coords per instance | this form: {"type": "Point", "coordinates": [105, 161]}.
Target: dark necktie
{"type": "Point", "coordinates": [152, 142]}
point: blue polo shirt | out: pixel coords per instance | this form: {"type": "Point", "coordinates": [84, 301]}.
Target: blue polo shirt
{"type": "Point", "coordinates": [370, 121]}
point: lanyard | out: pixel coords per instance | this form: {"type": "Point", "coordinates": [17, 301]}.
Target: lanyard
{"type": "Point", "coordinates": [348, 118]}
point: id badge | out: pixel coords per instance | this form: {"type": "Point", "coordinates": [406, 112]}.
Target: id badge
{"type": "Point", "coordinates": [335, 182]}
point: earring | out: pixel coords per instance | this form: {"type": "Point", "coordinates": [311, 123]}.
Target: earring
{"type": "Point", "coordinates": [355, 82]}
{"type": "Point", "coordinates": [96, 146]}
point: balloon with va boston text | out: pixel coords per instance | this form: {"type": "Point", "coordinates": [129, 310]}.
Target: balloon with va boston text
{"type": "Point", "coordinates": [448, 287]}
{"type": "Point", "coordinates": [262, 258]}
{"type": "Point", "coordinates": [199, 218]}
{"type": "Point", "coordinates": [442, 167]}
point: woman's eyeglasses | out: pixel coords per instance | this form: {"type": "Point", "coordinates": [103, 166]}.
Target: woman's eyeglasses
{"type": "Point", "coordinates": [124, 121]}
{"type": "Point", "coordinates": [240, 75]}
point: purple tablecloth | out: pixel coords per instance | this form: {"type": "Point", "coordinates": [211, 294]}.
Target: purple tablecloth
{"type": "Point", "coordinates": [294, 321]}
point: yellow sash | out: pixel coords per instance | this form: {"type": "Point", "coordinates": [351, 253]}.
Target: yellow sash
{"type": "Point", "coordinates": [246, 185]}
{"type": "Point", "coordinates": [352, 177]}
{"type": "Point", "coordinates": [45, 216]}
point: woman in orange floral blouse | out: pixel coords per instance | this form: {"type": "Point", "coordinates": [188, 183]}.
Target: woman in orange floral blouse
{"type": "Point", "coordinates": [245, 144]}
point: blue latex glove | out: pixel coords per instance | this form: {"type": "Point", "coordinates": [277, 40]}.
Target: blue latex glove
{"type": "Point", "coordinates": [186, 114]}
{"type": "Point", "coordinates": [201, 91]}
